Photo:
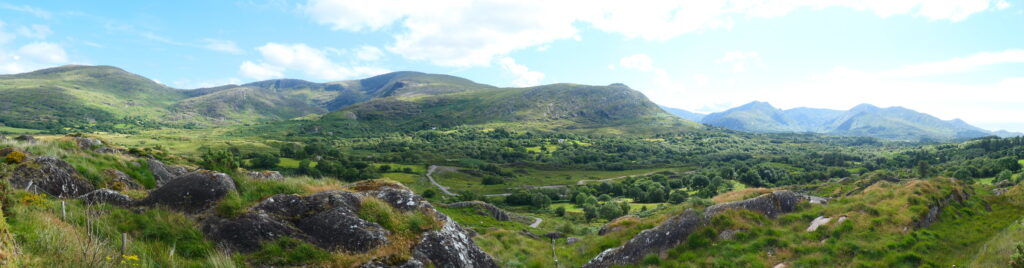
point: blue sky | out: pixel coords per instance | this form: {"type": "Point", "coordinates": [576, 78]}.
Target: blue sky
{"type": "Point", "coordinates": [952, 59]}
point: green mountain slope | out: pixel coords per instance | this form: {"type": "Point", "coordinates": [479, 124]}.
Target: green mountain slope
{"type": "Point", "coordinates": [79, 96]}
{"type": "Point", "coordinates": [569, 107]}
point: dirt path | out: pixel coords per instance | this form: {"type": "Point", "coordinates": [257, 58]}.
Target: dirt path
{"type": "Point", "coordinates": [430, 173]}
{"type": "Point", "coordinates": [536, 223]}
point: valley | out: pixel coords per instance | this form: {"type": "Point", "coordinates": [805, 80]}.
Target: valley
{"type": "Point", "coordinates": [440, 171]}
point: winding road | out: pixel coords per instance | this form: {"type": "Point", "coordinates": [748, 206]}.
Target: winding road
{"type": "Point", "coordinates": [430, 173]}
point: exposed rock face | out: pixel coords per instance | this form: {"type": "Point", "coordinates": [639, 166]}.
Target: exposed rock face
{"type": "Point", "coordinates": [25, 138]}
{"type": "Point", "coordinates": [451, 247]}
{"type": "Point", "coordinates": [247, 232]}
{"type": "Point", "coordinates": [330, 220]}
{"type": "Point", "coordinates": [1003, 183]}
{"type": "Point", "coordinates": [164, 173]}
{"type": "Point", "coordinates": [193, 192]}
{"type": "Point", "coordinates": [935, 209]}
{"type": "Point", "coordinates": [52, 176]}
{"type": "Point", "coordinates": [88, 144]}
{"type": "Point", "coordinates": [120, 178]}
{"type": "Point", "coordinates": [106, 196]}
{"type": "Point", "coordinates": [677, 229]}
{"type": "Point", "coordinates": [265, 175]}
{"type": "Point", "coordinates": [770, 205]}
{"type": "Point", "coordinates": [340, 228]}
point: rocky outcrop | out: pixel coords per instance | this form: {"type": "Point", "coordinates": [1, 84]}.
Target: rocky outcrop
{"type": "Point", "coordinates": [106, 196]}
{"type": "Point", "coordinates": [164, 173]}
{"type": "Point", "coordinates": [451, 247]}
{"type": "Point", "coordinates": [331, 221]}
{"type": "Point", "coordinates": [265, 175]}
{"type": "Point", "coordinates": [247, 232]}
{"type": "Point", "coordinates": [935, 209]}
{"type": "Point", "coordinates": [191, 193]}
{"type": "Point", "coordinates": [677, 229]}
{"type": "Point", "coordinates": [52, 176]}
{"type": "Point", "coordinates": [770, 205]}
{"type": "Point", "coordinates": [88, 144]}
{"type": "Point", "coordinates": [341, 228]}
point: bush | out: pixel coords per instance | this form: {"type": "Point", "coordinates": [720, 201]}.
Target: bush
{"type": "Point", "coordinates": [1017, 261]}
{"type": "Point", "coordinates": [560, 211]}
{"type": "Point", "coordinates": [429, 193]}
{"type": "Point", "coordinates": [264, 161]}
{"type": "Point", "coordinates": [15, 157]}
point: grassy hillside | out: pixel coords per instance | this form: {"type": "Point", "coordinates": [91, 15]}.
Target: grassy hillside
{"type": "Point", "coordinates": [559, 107]}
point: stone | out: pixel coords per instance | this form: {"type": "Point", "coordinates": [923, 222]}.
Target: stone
{"type": "Point", "coordinates": [193, 192]}
{"type": "Point", "coordinates": [247, 232]}
{"type": "Point", "coordinates": [451, 247]}
{"type": "Point", "coordinates": [265, 175]}
{"type": "Point", "coordinates": [52, 176]}
{"type": "Point", "coordinates": [341, 229]}
{"type": "Point", "coordinates": [818, 222]}
{"type": "Point", "coordinates": [107, 196]}
{"type": "Point", "coordinates": [164, 173]}
{"type": "Point", "coordinates": [572, 240]}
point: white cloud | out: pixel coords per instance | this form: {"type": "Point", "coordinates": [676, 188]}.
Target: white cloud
{"type": "Point", "coordinates": [36, 31]}
{"type": "Point", "coordinates": [640, 62]}
{"type": "Point", "coordinates": [664, 85]}
{"type": "Point", "coordinates": [280, 58]}
{"type": "Point", "coordinates": [958, 65]}
{"type": "Point", "coordinates": [222, 46]}
{"type": "Point", "coordinates": [473, 33]}
{"type": "Point", "coordinates": [27, 9]}
{"type": "Point", "coordinates": [740, 60]}
{"type": "Point", "coordinates": [369, 53]}
{"type": "Point", "coordinates": [1002, 4]}
{"type": "Point", "coordinates": [524, 77]}
{"type": "Point", "coordinates": [32, 56]}
{"type": "Point", "coordinates": [260, 71]}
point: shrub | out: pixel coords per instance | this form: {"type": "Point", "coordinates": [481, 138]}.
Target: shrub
{"type": "Point", "coordinates": [15, 157]}
{"type": "Point", "coordinates": [429, 193]}
{"type": "Point", "coordinates": [1017, 261]}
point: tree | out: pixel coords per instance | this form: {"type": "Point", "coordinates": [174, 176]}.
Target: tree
{"type": "Point", "coordinates": [560, 211]}
{"type": "Point", "coordinates": [678, 197]}
{"type": "Point", "coordinates": [1004, 175]}
{"type": "Point", "coordinates": [604, 198]}
{"type": "Point", "coordinates": [264, 161]}
{"type": "Point", "coordinates": [590, 211]}
{"type": "Point", "coordinates": [220, 160]}
{"type": "Point", "coordinates": [610, 211]}
{"type": "Point", "coordinates": [963, 174]}
{"type": "Point", "coordinates": [923, 169]}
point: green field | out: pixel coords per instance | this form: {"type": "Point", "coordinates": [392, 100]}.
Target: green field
{"type": "Point", "coordinates": [293, 163]}
{"type": "Point", "coordinates": [14, 130]}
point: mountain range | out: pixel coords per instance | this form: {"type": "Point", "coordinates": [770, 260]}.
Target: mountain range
{"type": "Point", "coordinates": [77, 97]}
{"type": "Point", "coordinates": [895, 123]}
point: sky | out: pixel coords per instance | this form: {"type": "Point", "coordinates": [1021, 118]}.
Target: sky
{"type": "Point", "coordinates": [949, 58]}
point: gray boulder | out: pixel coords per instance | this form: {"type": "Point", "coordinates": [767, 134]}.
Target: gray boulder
{"type": "Point", "coordinates": [106, 196]}
{"type": "Point", "coordinates": [770, 205]}
{"type": "Point", "coordinates": [451, 247]}
{"type": "Point", "coordinates": [164, 173]}
{"type": "Point", "coordinates": [52, 176]}
{"type": "Point", "coordinates": [265, 175]}
{"type": "Point", "coordinates": [248, 232]}
{"type": "Point", "coordinates": [340, 228]}
{"type": "Point", "coordinates": [86, 143]}
{"type": "Point", "coordinates": [294, 207]}
{"type": "Point", "coordinates": [193, 192]}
